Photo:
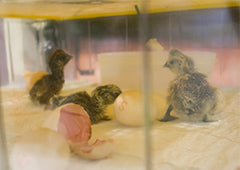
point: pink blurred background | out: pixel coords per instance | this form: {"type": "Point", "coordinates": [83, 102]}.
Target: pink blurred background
{"type": "Point", "coordinates": [213, 30]}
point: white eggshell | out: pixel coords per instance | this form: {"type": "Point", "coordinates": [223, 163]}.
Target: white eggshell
{"type": "Point", "coordinates": [40, 149]}
{"type": "Point", "coordinates": [70, 120]}
{"type": "Point", "coordinates": [129, 108]}
{"type": "Point", "coordinates": [98, 150]}
{"type": "Point", "coordinates": [73, 122]}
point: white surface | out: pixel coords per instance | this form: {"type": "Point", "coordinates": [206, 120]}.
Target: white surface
{"type": "Point", "coordinates": [40, 149]}
{"type": "Point", "coordinates": [175, 145]}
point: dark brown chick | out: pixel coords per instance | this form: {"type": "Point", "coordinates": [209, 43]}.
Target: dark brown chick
{"type": "Point", "coordinates": [52, 83]}
{"type": "Point", "coordinates": [95, 104]}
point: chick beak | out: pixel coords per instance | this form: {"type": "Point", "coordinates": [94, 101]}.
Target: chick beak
{"type": "Point", "coordinates": [69, 57]}
{"type": "Point", "coordinates": [166, 65]}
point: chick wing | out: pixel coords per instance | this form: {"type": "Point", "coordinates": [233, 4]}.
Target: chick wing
{"type": "Point", "coordinates": [45, 88]}
{"type": "Point", "coordinates": [190, 92]}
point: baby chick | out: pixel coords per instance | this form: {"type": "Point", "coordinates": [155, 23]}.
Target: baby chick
{"type": "Point", "coordinates": [95, 104]}
{"type": "Point", "coordinates": [105, 94]}
{"type": "Point", "coordinates": [50, 84]}
{"type": "Point", "coordinates": [190, 94]}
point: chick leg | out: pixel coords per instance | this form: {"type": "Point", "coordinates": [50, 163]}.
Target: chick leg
{"type": "Point", "coordinates": [167, 116]}
{"type": "Point", "coordinates": [105, 117]}
{"type": "Point", "coordinates": [206, 119]}
{"type": "Point", "coordinates": [44, 99]}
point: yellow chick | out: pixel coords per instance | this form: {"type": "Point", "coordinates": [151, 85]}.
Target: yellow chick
{"type": "Point", "coordinates": [32, 77]}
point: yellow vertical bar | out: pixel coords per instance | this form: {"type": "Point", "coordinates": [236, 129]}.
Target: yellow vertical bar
{"type": "Point", "coordinates": [144, 32]}
{"type": "Point", "coordinates": [3, 147]}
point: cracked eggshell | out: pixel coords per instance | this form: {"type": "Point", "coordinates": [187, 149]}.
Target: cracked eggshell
{"type": "Point", "coordinates": [129, 108]}
{"type": "Point", "coordinates": [72, 121]}
{"type": "Point", "coordinates": [100, 149]}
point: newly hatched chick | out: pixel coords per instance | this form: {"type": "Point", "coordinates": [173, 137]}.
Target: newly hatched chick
{"type": "Point", "coordinates": [50, 84]}
{"type": "Point", "coordinates": [105, 94]}
{"type": "Point", "coordinates": [95, 104]}
{"type": "Point", "coordinates": [190, 94]}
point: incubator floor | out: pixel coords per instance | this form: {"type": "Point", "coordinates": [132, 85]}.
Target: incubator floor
{"type": "Point", "coordinates": [175, 145]}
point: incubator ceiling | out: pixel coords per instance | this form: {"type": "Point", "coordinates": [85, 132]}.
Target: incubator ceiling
{"type": "Point", "coordinates": [63, 9]}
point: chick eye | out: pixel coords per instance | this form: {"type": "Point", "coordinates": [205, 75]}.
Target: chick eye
{"type": "Point", "coordinates": [171, 62]}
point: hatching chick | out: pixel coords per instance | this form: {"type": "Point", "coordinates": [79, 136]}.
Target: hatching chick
{"type": "Point", "coordinates": [50, 84]}
{"type": "Point", "coordinates": [105, 94]}
{"type": "Point", "coordinates": [190, 94]}
{"type": "Point", "coordinates": [95, 104]}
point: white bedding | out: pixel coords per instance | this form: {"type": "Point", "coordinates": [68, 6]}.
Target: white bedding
{"type": "Point", "coordinates": [175, 145]}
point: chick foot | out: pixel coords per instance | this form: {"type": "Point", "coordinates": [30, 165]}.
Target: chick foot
{"type": "Point", "coordinates": [107, 118]}
{"type": "Point", "coordinates": [168, 118]}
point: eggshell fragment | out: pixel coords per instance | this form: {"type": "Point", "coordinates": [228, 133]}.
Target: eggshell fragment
{"type": "Point", "coordinates": [73, 122]}
{"type": "Point", "coordinates": [98, 150]}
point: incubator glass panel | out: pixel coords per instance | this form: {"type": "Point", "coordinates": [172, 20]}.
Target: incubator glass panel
{"type": "Point", "coordinates": [110, 84]}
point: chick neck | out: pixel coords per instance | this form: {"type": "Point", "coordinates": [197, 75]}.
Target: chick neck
{"type": "Point", "coordinates": [97, 111]}
{"type": "Point", "coordinates": [58, 72]}
{"type": "Point", "coordinates": [185, 71]}
{"type": "Point", "coordinates": [98, 105]}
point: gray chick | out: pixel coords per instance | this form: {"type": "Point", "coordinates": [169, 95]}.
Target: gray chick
{"type": "Point", "coordinates": [190, 94]}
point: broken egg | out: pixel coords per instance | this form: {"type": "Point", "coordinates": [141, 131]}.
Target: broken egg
{"type": "Point", "coordinates": [129, 108]}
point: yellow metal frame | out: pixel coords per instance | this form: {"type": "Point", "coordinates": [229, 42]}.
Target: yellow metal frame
{"type": "Point", "coordinates": [61, 11]}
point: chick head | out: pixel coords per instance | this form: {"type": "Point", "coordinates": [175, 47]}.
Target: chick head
{"type": "Point", "coordinates": [58, 59]}
{"type": "Point", "coordinates": [179, 63]}
{"type": "Point", "coordinates": [106, 94]}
